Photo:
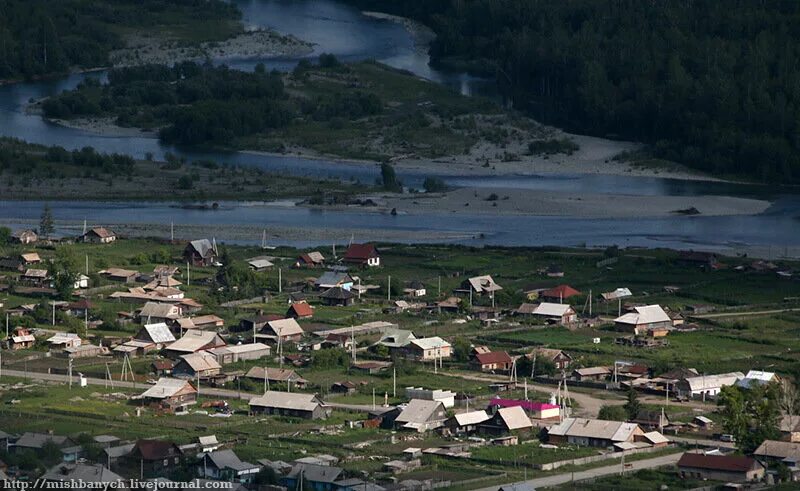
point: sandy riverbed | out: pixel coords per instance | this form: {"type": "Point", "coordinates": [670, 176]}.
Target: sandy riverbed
{"type": "Point", "coordinates": [252, 44]}
{"type": "Point", "coordinates": [566, 204]}
{"type": "Point", "coordinates": [595, 156]}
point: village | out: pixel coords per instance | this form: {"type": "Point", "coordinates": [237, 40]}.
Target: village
{"type": "Point", "coordinates": [362, 366]}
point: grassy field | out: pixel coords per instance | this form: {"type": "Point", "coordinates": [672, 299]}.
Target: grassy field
{"type": "Point", "coordinates": [644, 480]}
{"type": "Point", "coordinates": [738, 343]}
{"type": "Point", "coordinates": [530, 453]}
{"type": "Point", "coordinates": [766, 342]}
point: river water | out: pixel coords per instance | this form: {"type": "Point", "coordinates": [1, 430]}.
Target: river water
{"type": "Point", "coordinates": [345, 32]}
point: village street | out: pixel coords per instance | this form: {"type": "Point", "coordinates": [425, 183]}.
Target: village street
{"type": "Point", "coordinates": [567, 477]}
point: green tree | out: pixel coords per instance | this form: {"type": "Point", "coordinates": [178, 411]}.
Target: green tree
{"type": "Point", "coordinates": [46, 222]}
{"type": "Point", "coordinates": [751, 415]}
{"type": "Point", "coordinates": [5, 236]}
{"type": "Point", "coordinates": [389, 179]}
{"type": "Point", "coordinates": [434, 185]}
{"type": "Point", "coordinates": [64, 269]}
{"type": "Point", "coordinates": [544, 367]}
{"type": "Point", "coordinates": [461, 349]}
{"type": "Point", "coordinates": [266, 476]}
{"type": "Point", "coordinates": [330, 358]}
{"type": "Point", "coordinates": [51, 453]}
{"type": "Point", "coordinates": [613, 413]}
{"type": "Point", "coordinates": [632, 406]}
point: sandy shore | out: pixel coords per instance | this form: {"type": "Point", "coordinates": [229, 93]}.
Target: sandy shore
{"type": "Point", "coordinates": [595, 156]}
{"type": "Point", "coordinates": [252, 44]}
{"type": "Point", "coordinates": [104, 127]}
{"type": "Point", "coordinates": [496, 201]}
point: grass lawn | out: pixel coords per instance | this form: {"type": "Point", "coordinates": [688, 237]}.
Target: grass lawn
{"type": "Point", "coordinates": [643, 480]}
{"type": "Point", "coordinates": [530, 453]}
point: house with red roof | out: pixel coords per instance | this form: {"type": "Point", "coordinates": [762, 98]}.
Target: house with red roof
{"type": "Point", "coordinates": [155, 457]}
{"type": "Point", "coordinates": [310, 260]}
{"type": "Point", "coordinates": [493, 361]}
{"type": "Point", "coordinates": [99, 235]}
{"type": "Point", "coordinates": [362, 254]}
{"type": "Point", "coordinates": [300, 310]}
{"type": "Point", "coordinates": [559, 293]}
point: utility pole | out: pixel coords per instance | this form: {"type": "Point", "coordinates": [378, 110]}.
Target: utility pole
{"type": "Point", "coordinates": [389, 289]}
{"type": "Point", "coordinates": [53, 303]}
{"type": "Point", "coordinates": [109, 379]}
{"type": "Point", "coordinates": [69, 370]}
{"type": "Point", "coordinates": [188, 275]}
{"type": "Point", "coordinates": [353, 343]}
{"type": "Point", "coordinates": [439, 291]}
{"type": "Point", "coordinates": [87, 265]}
{"type": "Point", "coordinates": [280, 281]}
{"type": "Point", "coordinates": [394, 382]}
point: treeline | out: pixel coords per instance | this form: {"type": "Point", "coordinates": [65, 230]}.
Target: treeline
{"type": "Point", "coordinates": [43, 37]}
{"type": "Point", "coordinates": [20, 158]}
{"type": "Point", "coordinates": [194, 103]}
{"type": "Point", "coordinates": [714, 85]}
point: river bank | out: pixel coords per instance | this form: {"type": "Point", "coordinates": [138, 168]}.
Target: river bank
{"type": "Point", "coordinates": [520, 202]}
{"type": "Point", "coordinates": [422, 35]}
{"type": "Point", "coordinates": [261, 43]}
{"type": "Point", "coordinates": [595, 156]}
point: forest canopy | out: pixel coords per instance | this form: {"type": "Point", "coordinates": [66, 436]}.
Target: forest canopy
{"type": "Point", "coordinates": [44, 37]}
{"type": "Point", "coordinates": [195, 104]}
{"type": "Point", "coordinates": [714, 85]}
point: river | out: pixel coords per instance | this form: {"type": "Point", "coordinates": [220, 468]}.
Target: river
{"type": "Point", "coordinates": [345, 32]}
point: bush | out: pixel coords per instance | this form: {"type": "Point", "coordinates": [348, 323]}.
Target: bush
{"type": "Point", "coordinates": [612, 413]}
{"type": "Point", "coordinates": [434, 185]}
{"type": "Point", "coordinates": [552, 146]}
{"type": "Point", "coordinates": [327, 60]}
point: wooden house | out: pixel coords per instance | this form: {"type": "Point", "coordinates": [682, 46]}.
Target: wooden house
{"type": "Point", "coordinates": [99, 235]}
{"type": "Point", "coordinates": [362, 255]}
{"type": "Point", "coordinates": [170, 394]}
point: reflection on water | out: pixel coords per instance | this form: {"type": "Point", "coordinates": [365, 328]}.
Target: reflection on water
{"type": "Point", "coordinates": [724, 233]}
{"type": "Point", "coordinates": [343, 31]}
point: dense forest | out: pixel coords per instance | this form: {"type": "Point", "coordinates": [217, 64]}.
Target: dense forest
{"type": "Point", "coordinates": [43, 37]}
{"type": "Point", "coordinates": [190, 103]}
{"type": "Point", "coordinates": [714, 85]}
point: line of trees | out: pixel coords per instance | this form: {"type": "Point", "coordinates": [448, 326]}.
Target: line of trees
{"type": "Point", "coordinates": [45, 37]}
{"type": "Point", "coordinates": [194, 103]}
{"type": "Point", "coordinates": [711, 84]}
{"type": "Point", "coordinates": [24, 159]}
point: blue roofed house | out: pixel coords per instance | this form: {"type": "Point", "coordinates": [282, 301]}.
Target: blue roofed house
{"type": "Point", "coordinates": [332, 279]}
{"type": "Point", "coordinates": [225, 465]}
